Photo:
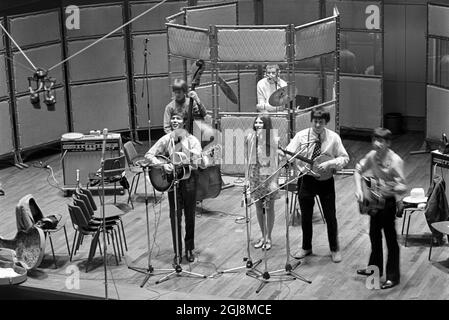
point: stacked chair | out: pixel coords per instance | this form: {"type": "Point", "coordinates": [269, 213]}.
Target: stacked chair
{"type": "Point", "coordinates": [86, 221]}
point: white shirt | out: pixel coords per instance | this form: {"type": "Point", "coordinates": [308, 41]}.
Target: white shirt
{"type": "Point", "coordinates": [305, 141]}
{"type": "Point", "coordinates": [265, 89]}
{"type": "Point", "coordinates": [164, 146]}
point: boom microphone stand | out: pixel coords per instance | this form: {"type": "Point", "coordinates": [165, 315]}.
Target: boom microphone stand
{"type": "Point", "coordinates": [103, 212]}
{"type": "Point", "coordinates": [265, 275]}
{"type": "Point", "coordinates": [177, 269]}
{"type": "Point", "coordinates": [249, 263]}
{"type": "Point", "coordinates": [149, 270]}
{"type": "Point", "coordinates": [145, 73]}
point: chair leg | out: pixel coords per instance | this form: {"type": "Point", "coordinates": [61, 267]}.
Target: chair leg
{"type": "Point", "coordinates": [93, 246]}
{"type": "Point", "coordinates": [66, 240]}
{"type": "Point", "coordinates": [124, 236]}
{"type": "Point", "coordinates": [52, 249]}
{"type": "Point", "coordinates": [137, 183]}
{"type": "Point", "coordinates": [408, 227]}
{"type": "Point", "coordinates": [113, 246]}
{"type": "Point", "coordinates": [403, 221]}
{"type": "Point", "coordinates": [117, 244]}
{"type": "Point", "coordinates": [115, 192]}
{"type": "Point", "coordinates": [120, 237]}
{"type": "Point", "coordinates": [73, 245]}
{"type": "Point", "coordinates": [129, 198]}
{"type": "Point", "coordinates": [78, 243]}
{"type": "Point", "coordinates": [431, 245]}
{"type": "Point", "coordinates": [131, 187]}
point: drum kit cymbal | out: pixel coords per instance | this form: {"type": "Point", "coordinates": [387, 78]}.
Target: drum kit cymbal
{"type": "Point", "coordinates": [281, 96]}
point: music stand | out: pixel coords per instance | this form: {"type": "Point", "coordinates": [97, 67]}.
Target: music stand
{"type": "Point", "coordinates": [149, 270]}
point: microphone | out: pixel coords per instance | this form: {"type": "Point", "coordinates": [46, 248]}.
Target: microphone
{"type": "Point", "coordinates": [297, 156]}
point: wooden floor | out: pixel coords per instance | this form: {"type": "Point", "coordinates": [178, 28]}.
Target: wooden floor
{"type": "Point", "coordinates": [221, 244]}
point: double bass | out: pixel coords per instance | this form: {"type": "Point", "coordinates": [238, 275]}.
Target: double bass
{"type": "Point", "coordinates": [209, 182]}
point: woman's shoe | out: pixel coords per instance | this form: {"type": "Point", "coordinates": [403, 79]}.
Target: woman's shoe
{"type": "Point", "coordinates": [267, 245]}
{"type": "Point", "coordinates": [389, 284]}
{"type": "Point", "coordinates": [259, 244]}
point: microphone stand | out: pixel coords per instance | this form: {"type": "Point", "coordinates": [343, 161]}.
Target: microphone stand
{"type": "Point", "coordinates": [146, 83]}
{"type": "Point", "coordinates": [103, 211]}
{"type": "Point", "coordinates": [177, 269]}
{"type": "Point", "coordinates": [149, 270]}
{"type": "Point", "coordinates": [265, 275]}
{"type": "Point", "coordinates": [249, 263]}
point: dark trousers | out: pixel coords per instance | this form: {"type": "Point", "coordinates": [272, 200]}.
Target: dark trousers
{"type": "Point", "coordinates": [385, 219]}
{"type": "Point", "coordinates": [308, 188]}
{"type": "Point", "coordinates": [186, 194]}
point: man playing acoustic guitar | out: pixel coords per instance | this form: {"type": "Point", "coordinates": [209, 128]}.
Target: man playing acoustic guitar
{"type": "Point", "coordinates": [325, 149]}
{"type": "Point", "coordinates": [387, 169]}
{"type": "Point", "coordinates": [179, 140]}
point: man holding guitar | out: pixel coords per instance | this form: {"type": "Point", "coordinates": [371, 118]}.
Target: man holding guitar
{"type": "Point", "coordinates": [387, 169]}
{"type": "Point", "coordinates": [323, 148]}
{"type": "Point", "coordinates": [179, 140]}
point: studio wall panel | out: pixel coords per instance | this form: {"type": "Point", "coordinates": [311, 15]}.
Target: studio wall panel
{"type": "Point", "coordinates": [98, 21]}
{"type": "Point", "coordinates": [100, 105]}
{"type": "Point", "coordinates": [43, 57]}
{"type": "Point", "coordinates": [308, 84]}
{"type": "Point", "coordinates": [416, 99]}
{"type": "Point", "coordinates": [103, 60]}
{"type": "Point", "coordinates": [6, 137]}
{"type": "Point", "coordinates": [160, 96]}
{"type": "Point", "coordinates": [437, 112]}
{"type": "Point", "coordinates": [439, 21]}
{"type": "Point", "coordinates": [291, 11]}
{"type": "Point", "coordinates": [415, 45]}
{"type": "Point", "coordinates": [157, 58]}
{"type": "Point", "coordinates": [3, 81]}
{"type": "Point", "coordinates": [360, 102]}
{"type": "Point", "coordinates": [39, 126]}
{"type": "Point", "coordinates": [155, 19]}
{"type": "Point", "coordinates": [35, 28]}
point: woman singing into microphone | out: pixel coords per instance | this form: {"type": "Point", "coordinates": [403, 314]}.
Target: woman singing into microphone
{"type": "Point", "coordinates": [261, 150]}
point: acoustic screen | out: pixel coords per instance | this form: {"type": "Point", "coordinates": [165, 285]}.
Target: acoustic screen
{"type": "Point", "coordinates": [6, 136]}
{"type": "Point", "coordinates": [98, 21]}
{"type": "Point", "coordinates": [35, 28]}
{"type": "Point", "coordinates": [315, 40]}
{"type": "Point", "coordinates": [256, 45]}
{"type": "Point", "coordinates": [100, 105]}
{"type": "Point", "coordinates": [160, 96]}
{"type": "Point", "coordinates": [104, 60]}
{"type": "Point", "coordinates": [41, 125]}
{"type": "Point", "coordinates": [155, 19]}
{"type": "Point", "coordinates": [187, 42]}
{"type": "Point", "coordinates": [43, 57]}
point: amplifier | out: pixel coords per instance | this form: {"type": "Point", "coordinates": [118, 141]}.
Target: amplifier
{"type": "Point", "coordinates": [83, 153]}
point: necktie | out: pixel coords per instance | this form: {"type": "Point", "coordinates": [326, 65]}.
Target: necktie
{"type": "Point", "coordinates": [317, 149]}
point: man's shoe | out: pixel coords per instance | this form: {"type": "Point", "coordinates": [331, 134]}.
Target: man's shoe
{"type": "Point", "coordinates": [190, 256]}
{"type": "Point", "coordinates": [336, 256]}
{"type": "Point", "coordinates": [389, 284]}
{"type": "Point", "coordinates": [364, 272]}
{"type": "Point", "coordinates": [303, 253]}
{"type": "Point", "coordinates": [436, 242]}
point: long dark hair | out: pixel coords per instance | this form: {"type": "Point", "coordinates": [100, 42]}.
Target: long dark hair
{"type": "Point", "coordinates": [267, 126]}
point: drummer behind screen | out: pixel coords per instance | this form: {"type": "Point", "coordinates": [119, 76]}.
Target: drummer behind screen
{"type": "Point", "coordinates": [179, 140]}
{"type": "Point", "coordinates": [267, 86]}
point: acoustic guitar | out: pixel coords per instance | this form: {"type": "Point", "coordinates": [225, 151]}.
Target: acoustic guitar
{"type": "Point", "coordinates": [313, 165]}
{"type": "Point", "coordinates": [163, 181]}
{"type": "Point", "coordinates": [372, 199]}
{"type": "Point", "coordinates": [28, 245]}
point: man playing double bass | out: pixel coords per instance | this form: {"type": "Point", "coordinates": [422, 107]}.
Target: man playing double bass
{"type": "Point", "coordinates": [312, 143]}
{"type": "Point", "coordinates": [181, 103]}
{"type": "Point", "coordinates": [179, 140]}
